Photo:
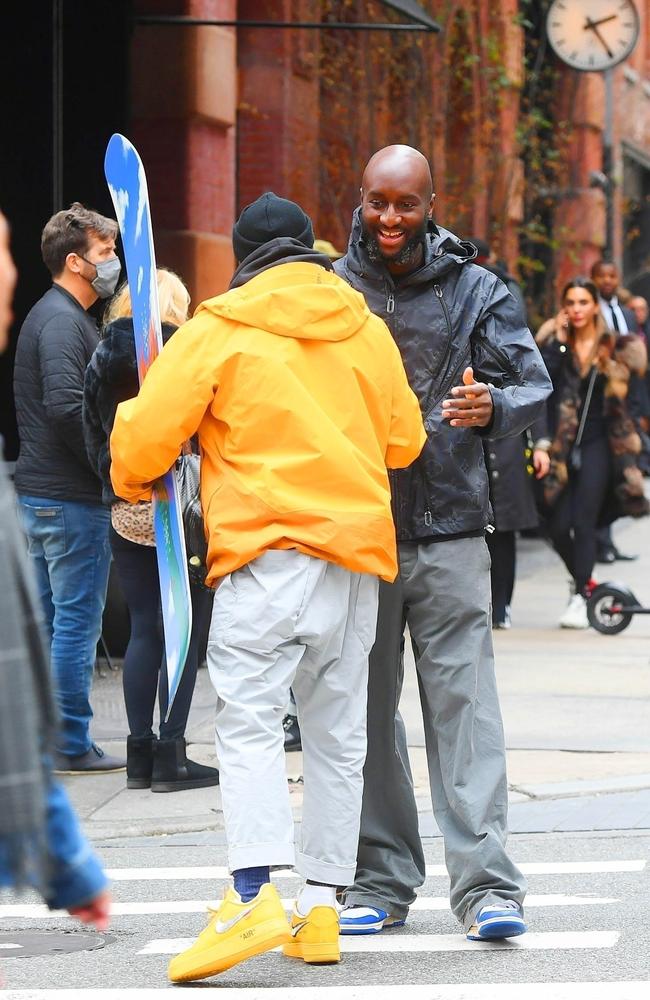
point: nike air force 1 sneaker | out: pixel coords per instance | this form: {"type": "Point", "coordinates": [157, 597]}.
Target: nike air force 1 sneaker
{"type": "Point", "coordinates": [357, 919]}
{"type": "Point", "coordinates": [495, 922]}
{"type": "Point", "coordinates": [315, 936]}
{"type": "Point", "coordinates": [236, 931]}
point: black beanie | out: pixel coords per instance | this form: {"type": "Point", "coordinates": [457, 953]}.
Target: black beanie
{"type": "Point", "coordinates": [267, 219]}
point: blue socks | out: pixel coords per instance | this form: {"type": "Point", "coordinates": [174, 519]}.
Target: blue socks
{"type": "Point", "coordinates": [249, 881]}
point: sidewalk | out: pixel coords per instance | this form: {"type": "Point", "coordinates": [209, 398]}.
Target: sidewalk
{"type": "Point", "coordinates": [576, 711]}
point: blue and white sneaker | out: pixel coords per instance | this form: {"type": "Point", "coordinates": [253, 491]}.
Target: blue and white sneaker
{"type": "Point", "coordinates": [366, 920]}
{"type": "Point", "coordinates": [496, 921]}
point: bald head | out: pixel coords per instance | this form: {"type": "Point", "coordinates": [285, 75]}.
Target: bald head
{"type": "Point", "coordinates": [399, 165]}
{"type": "Point", "coordinates": [396, 204]}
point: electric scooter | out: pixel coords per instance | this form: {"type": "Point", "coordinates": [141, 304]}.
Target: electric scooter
{"type": "Point", "coordinates": [611, 606]}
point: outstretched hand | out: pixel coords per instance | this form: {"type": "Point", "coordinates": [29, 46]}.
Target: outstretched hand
{"type": "Point", "coordinates": [96, 912]}
{"type": "Point", "coordinates": [471, 405]}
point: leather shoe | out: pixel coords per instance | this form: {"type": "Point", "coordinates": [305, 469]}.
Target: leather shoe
{"type": "Point", "coordinates": [94, 761]}
{"type": "Point", "coordinates": [606, 555]}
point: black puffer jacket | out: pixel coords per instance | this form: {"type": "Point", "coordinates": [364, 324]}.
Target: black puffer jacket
{"type": "Point", "coordinates": [449, 314]}
{"type": "Point", "coordinates": [111, 377]}
{"type": "Point", "coordinates": [55, 344]}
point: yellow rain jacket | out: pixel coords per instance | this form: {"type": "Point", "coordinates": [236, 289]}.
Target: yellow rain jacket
{"type": "Point", "coordinates": [300, 401]}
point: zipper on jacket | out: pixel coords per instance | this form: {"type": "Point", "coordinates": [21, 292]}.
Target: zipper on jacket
{"type": "Point", "coordinates": [390, 303]}
{"type": "Point", "coordinates": [438, 290]}
{"type": "Point", "coordinates": [462, 364]}
{"type": "Point", "coordinates": [498, 356]}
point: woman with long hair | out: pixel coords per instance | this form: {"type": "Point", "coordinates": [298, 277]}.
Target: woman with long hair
{"type": "Point", "coordinates": [594, 443]}
{"type": "Point", "coordinates": [157, 762]}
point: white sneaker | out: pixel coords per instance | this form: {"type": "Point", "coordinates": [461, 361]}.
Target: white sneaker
{"type": "Point", "coordinates": [575, 615]}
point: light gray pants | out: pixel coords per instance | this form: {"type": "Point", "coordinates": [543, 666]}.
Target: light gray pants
{"type": "Point", "coordinates": [289, 620]}
{"type": "Point", "coordinates": [443, 593]}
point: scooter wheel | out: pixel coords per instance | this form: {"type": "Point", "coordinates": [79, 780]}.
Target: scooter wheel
{"type": "Point", "coordinates": [604, 610]}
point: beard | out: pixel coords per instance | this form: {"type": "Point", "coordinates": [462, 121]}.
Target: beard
{"type": "Point", "coordinates": [409, 254]}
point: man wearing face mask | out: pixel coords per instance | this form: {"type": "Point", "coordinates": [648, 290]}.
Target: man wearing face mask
{"type": "Point", "coordinates": [59, 494]}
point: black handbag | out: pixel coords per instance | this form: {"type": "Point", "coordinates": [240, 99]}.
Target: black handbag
{"type": "Point", "coordinates": [574, 460]}
{"type": "Point", "coordinates": [188, 476]}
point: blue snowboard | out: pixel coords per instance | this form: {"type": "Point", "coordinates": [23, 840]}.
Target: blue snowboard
{"type": "Point", "coordinates": [128, 186]}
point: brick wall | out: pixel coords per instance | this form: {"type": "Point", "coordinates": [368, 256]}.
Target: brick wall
{"type": "Point", "coordinates": [183, 122]}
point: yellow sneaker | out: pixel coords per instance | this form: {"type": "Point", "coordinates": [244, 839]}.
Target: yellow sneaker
{"type": "Point", "coordinates": [315, 937]}
{"type": "Point", "coordinates": [236, 931]}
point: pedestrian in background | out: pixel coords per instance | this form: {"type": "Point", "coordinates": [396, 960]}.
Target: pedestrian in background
{"type": "Point", "coordinates": [511, 465]}
{"type": "Point", "coordinates": [450, 319]}
{"type": "Point", "coordinates": [595, 445]}
{"type": "Point", "coordinates": [300, 401]}
{"type": "Point", "coordinates": [159, 763]}
{"type": "Point", "coordinates": [59, 494]}
{"type": "Point", "coordinates": [620, 319]}
{"type": "Point", "coordinates": [639, 307]}
{"type": "Point", "coordinates": [41, 843]}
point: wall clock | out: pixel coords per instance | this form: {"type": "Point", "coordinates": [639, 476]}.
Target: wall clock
{"type": "Point", "coordinates": [592, 35]}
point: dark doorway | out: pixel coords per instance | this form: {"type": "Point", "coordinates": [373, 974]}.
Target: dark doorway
{"type": "Point", "coordinates": [65, 84]}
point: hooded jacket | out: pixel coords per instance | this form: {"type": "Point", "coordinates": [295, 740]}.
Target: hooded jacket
{"type": "Point", "coordinates": [300, 401]}
{"type": "Point", "coordinates": [449, 314]}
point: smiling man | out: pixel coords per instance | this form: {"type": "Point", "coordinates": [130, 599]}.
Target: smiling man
{"type": "Point", "coordinates": [451, 320]}
{"type": "Point", "coordinates": [60, 495]}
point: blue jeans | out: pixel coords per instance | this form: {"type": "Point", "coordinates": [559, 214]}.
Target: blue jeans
{"type": "Point", "coordinates": [68, 542]}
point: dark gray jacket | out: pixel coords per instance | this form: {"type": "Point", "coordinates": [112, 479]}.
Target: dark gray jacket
{"type": "Point", "coordinates": [56, 343]}
{"type": "Point", "coordinates": [449, 314]}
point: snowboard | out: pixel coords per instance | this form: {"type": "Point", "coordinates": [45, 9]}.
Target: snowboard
{"type": "Point", "coordinates": [128, 187]}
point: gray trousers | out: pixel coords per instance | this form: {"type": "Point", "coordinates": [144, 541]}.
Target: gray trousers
{"type": "Point", "coordinates": [443, 594]}
{"type": "Point", "coordinates": [288, 619]}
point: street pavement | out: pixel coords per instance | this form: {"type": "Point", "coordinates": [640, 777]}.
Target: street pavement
{"type": "Point", "coordinates": [577, 719]}
{"type": "Point", "coordinates": [587, 935]}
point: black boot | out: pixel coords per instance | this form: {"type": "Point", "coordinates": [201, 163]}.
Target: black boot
{"type": "Point", "coordinates": [292, 739]}
{"type": "Point", "coordinates": [139, 761]}
{"type": "Point", "coordinates": [172, 771]}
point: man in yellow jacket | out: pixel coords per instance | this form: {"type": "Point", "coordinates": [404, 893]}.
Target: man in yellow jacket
{"type": "Point", "coordinates": [300, 401]}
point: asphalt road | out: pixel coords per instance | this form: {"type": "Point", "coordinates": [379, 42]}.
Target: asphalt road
{"type": "Point", "coordinates": [587, 919]}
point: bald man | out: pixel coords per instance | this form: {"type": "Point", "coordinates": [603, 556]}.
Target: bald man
{"type": "Point", "coordinates": [476, 371]}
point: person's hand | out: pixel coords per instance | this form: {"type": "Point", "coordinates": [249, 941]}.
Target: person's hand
{"type": "Point", "coordinates": [562, 326]}
{"type": "Point", "coordinates": [541, 463]}
{"type": "Point", "coordinates": [96, 912]}
{"type": "Point", "coordinates": [471, 405]}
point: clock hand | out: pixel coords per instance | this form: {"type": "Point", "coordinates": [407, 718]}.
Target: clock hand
{"type": "Point", "coordinates": [594, 27]}
{"type": "Point", "coordinates": [603, 20]}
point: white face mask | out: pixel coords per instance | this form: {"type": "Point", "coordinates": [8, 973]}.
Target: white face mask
{"type": "Point", "coordinates": [107, 277]}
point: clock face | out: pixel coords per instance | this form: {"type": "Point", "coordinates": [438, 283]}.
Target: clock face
{"type": "Point", "coordinates": [592, 34]}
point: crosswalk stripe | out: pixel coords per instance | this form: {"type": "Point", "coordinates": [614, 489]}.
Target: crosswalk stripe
{"type": "Point", "coordinates": [221, 871]}
{"type": "Point", "coordinates": [37, 911]}
{"type": "Point", "coordinates": [433, 942]}
{"type": "Point", "coordinates": [626, 990]}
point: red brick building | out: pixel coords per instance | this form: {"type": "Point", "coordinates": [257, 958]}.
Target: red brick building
{"type": "Point", "coordinates": [299, 112]}
{"type": "Point", "coordinates": [221, 113]}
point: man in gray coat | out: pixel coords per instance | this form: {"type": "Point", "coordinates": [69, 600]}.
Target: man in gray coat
{"type": "Point", "coordinates": [452, 321]}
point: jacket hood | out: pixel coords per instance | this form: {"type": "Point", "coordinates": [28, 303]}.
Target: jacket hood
{"type": "Point", "coordinates": [282, 250]}
{"type": "Point", "coordinates": [443, 251]}
{"type": "Point", "coordinates": [286, 289]}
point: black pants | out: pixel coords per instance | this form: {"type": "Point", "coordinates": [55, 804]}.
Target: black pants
{"type": "Point", "coordinates": [572, 525]}
{"type": "Point", "coordinates": [502, 546]}
{"type": "Point", "coordinates": [145, 672]}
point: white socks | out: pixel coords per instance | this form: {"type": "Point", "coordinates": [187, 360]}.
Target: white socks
{"type": "Point", "coordinates": [315, 895]}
